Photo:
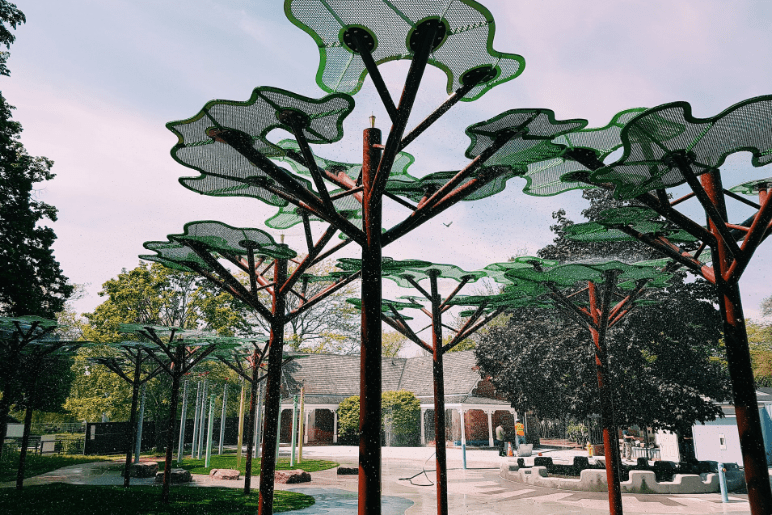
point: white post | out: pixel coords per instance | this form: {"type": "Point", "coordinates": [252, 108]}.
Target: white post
{"type": "Point", "coordinates": [463, 437]}
{"type": "Point", "coordinates": [140, 423]}
{"type": "Point", "coordinates": [202, 422]}
{"type": "Point", "coordinates": [423, 428]}
{"type": "Point", "coordinates": [181, 444]}
{"type": "Point", "coordinates": [305, 426]}
{"type": "Point", "coordinates": [258, 423]}
{"type": "Point", "coordinates": [209, 433]}
{"type": "Point", "coordinates": [490, 428]}
{"type": "Point", "coordinates": [196, 417]}
{"type": "Point", "coordinates": [222, 419]}
{"type": "Point", "coordinates": [334, 426]}
{"type": "Point", "coordinates": [241, 426]}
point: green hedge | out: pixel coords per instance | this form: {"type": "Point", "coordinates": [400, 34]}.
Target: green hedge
{"type": "Point", "coordinates": [400, 422]}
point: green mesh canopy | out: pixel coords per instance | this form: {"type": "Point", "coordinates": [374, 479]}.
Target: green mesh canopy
{"type": "Point", "coordinates": [553, 176]}
{"type": "Point", "coordinates": [641, 219]}
{"type": "Point", "coordinates": [535, 129]}
{"type": "Point", "coordinates": [419, 274]}
{"type": "Point", "coordinates": [220, 237]}
{"type": "Point", "coordinates": [389, 306]}
{"type": "Point", "coordinates": [174, 255]}
{"type": "Point", "coordinates": [753, 187]}
{"type": "Point", "coordinates": [25, 322]}
{"type": "Point", "coordinates": [498, 271]}
{"type": "Point", "coordinates": [427, 185]}
{"type": "Point", "coordinates": [657, 140]}
{"type": "Point", "coordinates": [507, 299]}
{"type": "Point", "coordinates": [185, 337]}
{"type": "Point", "coordinates": [389, 267]}
{"type": "Point", "coordinates": [463, 47]}
{"type": "Point", "coordinates": [224, 171]}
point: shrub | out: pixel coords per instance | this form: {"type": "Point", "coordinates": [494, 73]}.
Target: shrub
{"type": "Point", "coordinates": [401, 423]}
{"type": "Point", "coordinates": [348, 421]}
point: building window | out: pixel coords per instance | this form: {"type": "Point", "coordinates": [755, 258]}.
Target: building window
{"type": "Point", "coordinates": [722, 441]}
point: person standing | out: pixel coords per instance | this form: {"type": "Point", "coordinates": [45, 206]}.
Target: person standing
{"type": "Point", "coordinates": [501, 439]}
{"type": "Point", "coordinates": [519, 434]}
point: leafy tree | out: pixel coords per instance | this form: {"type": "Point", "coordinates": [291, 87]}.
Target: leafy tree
{"type": "Point", "coordinates": [393, 343]}
{"type": "Point", "coordinates": [11, 15]}
{"type": "Point", "coordinates": [401, 412]}
{"type": "Point", "coordinates": [348, 420]}
{"type": "Point", "coordinates": [663, 359]}
{"type": "Point", "coordinates": [760, 341]}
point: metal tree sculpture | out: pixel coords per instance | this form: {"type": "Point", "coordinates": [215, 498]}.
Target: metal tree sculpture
{"type": "Point", "coordinates": [177, 351]}
{"type": "Point", "coordinates": [198, 249]}
{"type": "Point", "coordinates": [666, 147]}
{"type": "Point", "coordinates": [128, 366]}
{"type": "Point", "coordinates": [409, 274]}
{"type": "Point", "coordinates": [27, 345]}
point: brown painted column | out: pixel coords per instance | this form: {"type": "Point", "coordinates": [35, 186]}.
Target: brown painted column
{"type": "Point", "coordinates": [273, 391]}
{"type": "Point", "coordinates": [370, 354]}
{"type": "Point", "coordinates": [177, 368]}
{"type": "Point", "coordinates": [131, 432]}
{"type": "Point", "coordinates": [439, 398]}
{"type": "Point", "coordinates": [610, 440]}
{"type": "Point", "coordinates": [251, 422]}
{"type": "Point", "coordinates": [739, 363]}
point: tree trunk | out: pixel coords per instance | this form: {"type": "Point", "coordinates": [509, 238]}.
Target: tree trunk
{"type": "Point", "coordinates": [23, 450]}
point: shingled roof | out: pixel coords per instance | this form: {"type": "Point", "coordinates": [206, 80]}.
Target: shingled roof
{"type": "Point", "coordinates": [335, 377]}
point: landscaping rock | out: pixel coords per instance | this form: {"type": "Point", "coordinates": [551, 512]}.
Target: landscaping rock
{"type": "Point", "coordinates": [227, 474]}
{"type": "Point", "coordinates": [292, 476]}
{"type": "Point", "coordinates": [177, 476]}
{"type": "Point", "coordinates": [348, 471]}
{"type": "Point", "coordinates": [143, 469]}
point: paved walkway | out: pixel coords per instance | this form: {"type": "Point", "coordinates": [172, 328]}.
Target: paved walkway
{"type": "Point", "coordinates": [408, 477]}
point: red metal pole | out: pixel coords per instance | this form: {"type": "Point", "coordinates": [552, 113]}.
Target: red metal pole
{"type": "Point", "coordinates": [439, 398]}
{"type": "Point", "coordinates": [739, 363]}
{"type": "Point", "coordinates": [610, 440]}
{"type": "Point", "coordinates": [370, 355]}
{"type": "Point", "coordinates": [273, 391]}
{"type": "Point", "coordinates": [251, 421]}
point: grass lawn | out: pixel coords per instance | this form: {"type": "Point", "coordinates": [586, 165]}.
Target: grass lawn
{"type": "Point", "coordinates": [56, 499]}
{"type": "Point", "coordinates": [227, 461]}
{"type": "Point", "coordinates": [36, 464]}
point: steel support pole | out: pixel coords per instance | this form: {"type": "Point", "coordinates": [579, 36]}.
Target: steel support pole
{"type": "Point", "coordinates": [607, 417]}
{"type": "Point", "coordinates": [222, 419]}
{"type": "Point", "coordinates": [241, 426]}
{"type": "Point", "coordinates": [294, 429]}
{"type": "Point", "coordinates": [209, 432]}
{"type": "Point", "coordinates": [739, 364]}
{"type": "Point", "coordinates": [131, 431]}
{"type": "Point", "coordinates": [439, 398]}
{"type": "Point", "coordinates": [369, 502]}
{"type": "Point", "coordinates": [140, 423]}
{"type": "Point", "coordinates": [259, 422]}
{"type": "Point", "coordinates": [202, 422]}
{"type": "Point", "coordinates": [253, 402]}
{"type": "Point", "coordinates": [463, 437]}
{"type": "Point", "coordinates": [278, 432]}
{"type": "Point", "coordinates": [273, 392]}
{"type": "Point", "coordinates": [176, 375]}
{"type": "Point", "coordinates": [183, 419]}
{"type": "Point", "coordinates": [302, 423]}
{"type": "Point", "coordinates": [196, 414]}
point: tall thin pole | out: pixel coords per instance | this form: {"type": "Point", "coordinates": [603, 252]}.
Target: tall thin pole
{"type": "Point", "coordinates": [370, 380]}
{"type": "Point", "coordinates": [140, 424]}
{"type": "Point", "coordinates": [23, 450]}
{"type": "Point", "coordinates": [739, 363]}
{"type": "Point", "coordinates": [253, 402]}
{"type": "Point", "coordinates": [241, 426]}
{"type": "Point", "coordinates": [439, 397]}
{"type": "Point", "coordinates": [222, 418]}
{"type": "Point", "coordinates": [259, 421]}
{"type": "Point", "coordinates": [176, 375]}
{"type": "Point", "coordinates": [301, 425]}
{"type": "Point", "coordinates": [183, 420]}
{"type": "Point", "coordinates": [278, 433]}
{"type": "Point", "coordinates": [463, 437]}
{"type": "Point", "coordinates": [131, 432]}
{"type": "Point", "coordinates": [196, 417]}
{"type": "Point", "coordinates": [202, 422]}
{"type": "Point", "coordinates": [294, 429]}
{"type": "Point", "coordinates": [210, 432]}
{"type": "Point", "coordinates": [273, 392]}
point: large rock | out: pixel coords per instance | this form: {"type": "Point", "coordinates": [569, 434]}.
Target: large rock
{"type": "Point", "coordinates": [227, 474]}
{"type": "Point", "coordinates": [143, 469]}
{"type": "Point", "coordinates": [292, 476]}
{"type": "Point", "coordinates": [348, 471]}
{"type": "Point", "coordinates": [177, 476]}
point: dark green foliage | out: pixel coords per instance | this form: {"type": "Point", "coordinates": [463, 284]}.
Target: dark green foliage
{"type": "Point", "coordinates": [228, 461]}
{"type": "Point", "coordinates": [11, 15]}
{"type": "Point", "coordinates": [140, 500]}
{"type": "Point", "coordinates": [401, 412]}
{"type": "Point", "coordinates": [348, 420]}
{"type": "Point", "coordinates": [31, 282]}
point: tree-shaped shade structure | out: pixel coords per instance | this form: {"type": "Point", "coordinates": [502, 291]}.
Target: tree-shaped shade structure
{"type": "Point", "coordinates": [664, 147]}
{"type": "Point", "coordinates": [126, 361]}
{"type": "Point", "coordinates": [28, 346]}
{"type": "Point", "coordinates": [352, 42]}
{"type": "Point", "coordinates": [200, 248]}
{"type": "Point", "coordinates": [540, 283]}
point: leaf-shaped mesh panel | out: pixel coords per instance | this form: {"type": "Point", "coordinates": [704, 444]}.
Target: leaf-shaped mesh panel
{"type": "Point", "coordinates": [753, 187]}
{"type": "Point", "coordinates": [425, 186]}
{"type": "Point", "coordinates": [643, 220]}
{"type": "Point", "coordinates": [509, 299]}
{"type": "Point", "coordinates": [25, 322]}
{"type": "Point", "coordinates": [564, 276]}
{"type": "Point", "coordinates": [220, 237]}
{"type": "Point", "coordinates": [654, 139]}
{"type": "Point", "coordinates": [174, 255]}
{"type": "Point", "coordinates": [387, 305]}
{"type": "Point", "coordinates": [389, 266]}
{"type": "Point", "coordinates": [497, 271]}
{"type": "Point", "coordinates": [553, 176]}
{"type": "Point", "coordinates": [289, 216]}
{"type": "Point", "coordinates": [535, 129]}
{"type": "Point", "coordinates": [442, 272]}
{"type": "Point", "coordinates": [467, 44]}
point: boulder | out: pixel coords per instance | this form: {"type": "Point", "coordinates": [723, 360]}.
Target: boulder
{"type": "Point", "coordinates": [143, 469]}
{"type": "Point", "coordinates": [292, 476]}
{"type": "Point", "coordinates": [348, 471]}
{"type": "Point", "coordinates": [177, 476]}
{"type": "Point", "coordinates": [227, 474]}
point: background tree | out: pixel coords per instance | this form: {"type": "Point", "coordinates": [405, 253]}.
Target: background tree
{"type": "Point", "coordinates": [760, 341]}
{"type": "Point", "coordinates": [11, 15]}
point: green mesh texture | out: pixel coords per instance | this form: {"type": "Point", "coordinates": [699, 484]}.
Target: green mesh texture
{"type": "Point", "coordinates": [443, 272]}
{"type": "Point", "coordinates": [224, 171]}
{"type": "Point", "coordinates": [565, 276]}
{"type": "Point", "coordinates": [554, 176]}
{"type": "Point", "coordinates": [427, 185]}
{"type": "Point", "coordinates": [220, 237]}
{"type": "Point", "coordinates": [389, 267]}
{"type": "Point", "coordinates": [498, 271]}
{"type": "Point", "coordinates": [535, 128]}
{"type": "Point", "coordinates": [642, 219]}
{"type": "Point", "coordinates": [753, 187]}
{"type": "Point", "coordinates": [25, 322]}
{"type": "Point", "coordinates": [652, 139]}
{"type": "Point", "coordinates": [387, 305]}
{"type": "Point", "coordinates": [468, 43]}
{"type": "Point", "coordinates": [174, 255]}
{"type": "Point", "coordinates": [186, 337]}
{"type": "Point", "coordinates": [507, 300]}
